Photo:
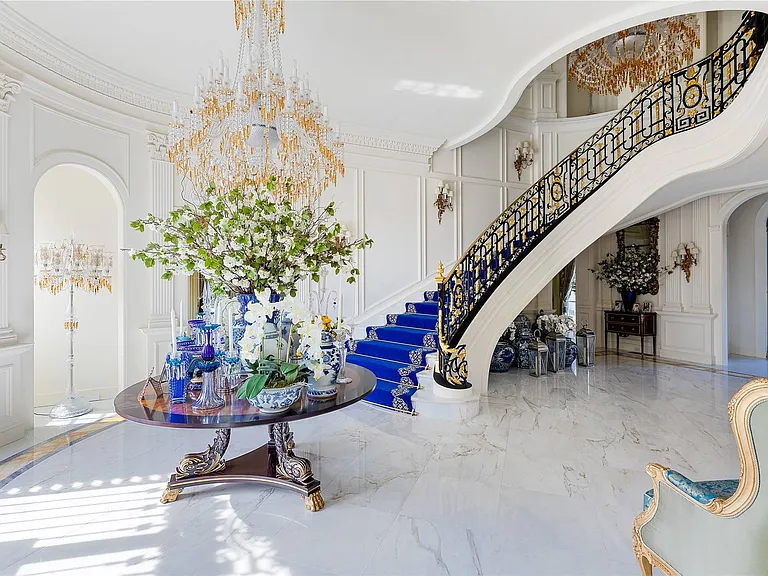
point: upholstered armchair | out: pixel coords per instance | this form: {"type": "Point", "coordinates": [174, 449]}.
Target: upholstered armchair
{"type": "Point", "coordinates": [714, 528]}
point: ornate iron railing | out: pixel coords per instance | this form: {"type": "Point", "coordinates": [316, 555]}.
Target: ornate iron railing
{"type": "Point", "coordinates": [679, 102]}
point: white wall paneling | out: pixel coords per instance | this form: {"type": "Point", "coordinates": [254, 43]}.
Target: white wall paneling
{"type": "Point", "coordinates": [482, 158]}
{"type": "Point", "coordinates": [479, 206]}
{"type": "Point", "coordinates": [13, 403]}
{"type": "Point", "coordinates": [162, 202]}
{"type": "Point", "coordinates": [14, 406]}
{"type": "Point", "coordinates": [8, 89]}
{"type": "Point", "coordinates": [394, 260]}
{"type": "Point", "coordinates": [673, 301]}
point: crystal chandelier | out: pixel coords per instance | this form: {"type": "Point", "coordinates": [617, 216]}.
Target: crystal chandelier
{"type": "Point", "coordinates": [70, 265]}
{"type": "Point", "coordinates": [247, 128]}
{"type": "Point", "coordinates": [635, 57]}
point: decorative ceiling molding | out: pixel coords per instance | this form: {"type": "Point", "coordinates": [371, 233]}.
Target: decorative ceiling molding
{"type": "Point", "coordinates": [157, 144]}
{"type": "Point", "coordinates": [389, 145]}
{"type": "Point", "coordinates": [8, 88]}
{"type": "Point", "coordinates": [41, 48]}
{"type": "Point", "coordinates": [36, 45]}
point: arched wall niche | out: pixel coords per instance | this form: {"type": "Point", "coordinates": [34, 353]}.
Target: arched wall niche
{"type": "Point", "coordinates": [744, 282]}
{"type": "Point", "coordinates": [117, 189]}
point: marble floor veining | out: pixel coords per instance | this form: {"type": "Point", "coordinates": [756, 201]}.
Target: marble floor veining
{"type": "Point", "coordinates": [545, 481]}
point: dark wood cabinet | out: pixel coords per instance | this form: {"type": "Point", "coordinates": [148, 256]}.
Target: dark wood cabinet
{"type": "Point", "coordinates": [640, 324]}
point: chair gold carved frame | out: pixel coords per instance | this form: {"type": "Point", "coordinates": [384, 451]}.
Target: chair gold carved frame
{"type": "Point", "coordinates": [740, 409]}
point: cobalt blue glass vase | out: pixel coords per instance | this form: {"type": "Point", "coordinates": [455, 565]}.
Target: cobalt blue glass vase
{"type": "Point", "coordinates": [628, 298]}
{"type": "Point", "coordinates": [177, 379]}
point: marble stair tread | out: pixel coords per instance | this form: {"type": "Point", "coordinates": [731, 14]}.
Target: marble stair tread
{"type": "Point", "coordinates": [392, 395]}
{"type": "Point", "coordinates": [423, 321]}
{"type": "Point", "coordinates": [403, 335]}
{"type": "Point", "coordinates": [387, 369]}
{"type": "Point", "coordinates": [406, 353]}
{"type": "Point", "coordinates": [422, 308]}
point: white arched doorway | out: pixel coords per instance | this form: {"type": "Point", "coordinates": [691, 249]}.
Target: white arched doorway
{"type": "Point", "coordinates": [79, 194]}
{"type": "Point", "coordinates": [746, 278]}
{"type": "Point", "coordinates": [739, 277]}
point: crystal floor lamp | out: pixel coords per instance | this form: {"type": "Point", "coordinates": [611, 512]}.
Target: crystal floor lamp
{"type": "Point", "coordinates": [67, 265]}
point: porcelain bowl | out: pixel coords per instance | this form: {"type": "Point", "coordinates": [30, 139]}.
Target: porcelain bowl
{"type": "Point", "coordinates": [277, 400]}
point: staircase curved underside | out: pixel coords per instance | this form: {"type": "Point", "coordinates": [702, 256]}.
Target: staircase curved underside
{"type": "Point", "coordinates": [570, 208]}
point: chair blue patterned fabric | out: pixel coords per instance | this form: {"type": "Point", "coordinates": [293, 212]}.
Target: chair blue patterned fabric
{"type": "Point", "coordinates": [703, 492]}
{"type": "Point", "coordinates": [711, 527]}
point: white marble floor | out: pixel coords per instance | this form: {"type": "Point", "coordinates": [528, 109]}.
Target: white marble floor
{"type": "Point", "coordinates": [46, 427]}
{"type": "Point", "coordinates": [545, 481]}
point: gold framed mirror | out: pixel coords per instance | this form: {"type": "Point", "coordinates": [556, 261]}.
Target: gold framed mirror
{"type": "Point", "coordinates": [645, 235]}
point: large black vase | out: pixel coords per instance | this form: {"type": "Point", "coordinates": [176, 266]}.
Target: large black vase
{"type": "Point", "coordinates": [628, 298]}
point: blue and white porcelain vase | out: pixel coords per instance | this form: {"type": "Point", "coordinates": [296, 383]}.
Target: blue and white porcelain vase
{"type": "Point", "coordinates": [503, 357]}
{"type": "Point", "coordinates": [277, 400]}
{"type": "Point", "coordinates": [522, 339]}
{"type": "Point", "coordinates": [571, 353]}
{"type": "Point", "coordinates": [239, 323]}
{"type": "Point", "coordinates": [325, 387]}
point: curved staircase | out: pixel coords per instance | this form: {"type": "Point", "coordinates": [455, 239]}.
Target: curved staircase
{"type": "Point", "coordinates": [670, 126]}
{"type": "Point", "coordinates": [397, 352]}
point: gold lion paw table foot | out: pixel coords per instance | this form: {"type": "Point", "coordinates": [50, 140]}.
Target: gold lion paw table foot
{"type": "Point", "coordinates": [273, 464]}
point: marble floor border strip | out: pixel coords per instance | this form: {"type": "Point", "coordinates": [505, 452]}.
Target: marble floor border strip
{"type": "Point", "coordinates": [680, 364]}
{"type": "Point", "coordinates": [15, 465]}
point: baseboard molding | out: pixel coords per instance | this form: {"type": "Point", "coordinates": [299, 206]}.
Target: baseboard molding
{"type": "Point", "coordinates": [742, 351]}
{"type": "Point", "coordinates": [11, 430]}
{"type": "Point", "coordinates": [686, 356]}
{"type": "Point", "coordinates": [90, 394]}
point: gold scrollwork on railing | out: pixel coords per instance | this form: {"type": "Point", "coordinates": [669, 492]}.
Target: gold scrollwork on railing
{"type": "Point", "coordinates": [676, 103]}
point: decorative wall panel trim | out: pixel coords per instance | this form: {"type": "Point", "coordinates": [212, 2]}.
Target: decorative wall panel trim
{"type": "Point", "coordinates": [387, 144]}
{"type": "Point", "coordinates": [8, 89]}
{"type": "Point", "coordinates": [18, 35]}
{"type": "Point", "coordinates": [162, 203]}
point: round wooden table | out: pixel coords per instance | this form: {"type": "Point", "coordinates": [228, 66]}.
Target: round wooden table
{"type": "Point", "coordinates": [273, 464]}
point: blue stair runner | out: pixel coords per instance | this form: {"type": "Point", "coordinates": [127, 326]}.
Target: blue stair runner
{"type": "Point", "coordinates": [395, 353]}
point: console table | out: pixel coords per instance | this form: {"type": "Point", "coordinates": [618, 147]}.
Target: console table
{"type": "Point", "coordinates": [274, 464]}
{"type": "Point", "coordinates": [640, 324]}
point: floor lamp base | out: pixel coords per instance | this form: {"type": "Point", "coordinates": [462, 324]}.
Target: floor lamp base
{"type": "Point", "coordinates": [71, 408]}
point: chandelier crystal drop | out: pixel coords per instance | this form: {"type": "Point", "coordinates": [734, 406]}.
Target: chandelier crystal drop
{"type": "Point", "coordinates": [65, 264]}
{"type": "Point", "coordinates": [635, 57]}
{"type": "Point", "coordinates": [248, 128]}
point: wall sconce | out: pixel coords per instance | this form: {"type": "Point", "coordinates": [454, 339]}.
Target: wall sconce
{"type": "Point", "coordinates": [523, 157]}
{"type": "Point", "coordinates": [443, 200]}
{"type": "Point", "coordinates": [685, 257]}
{"type": "Point", "coordinates": [3, 232]}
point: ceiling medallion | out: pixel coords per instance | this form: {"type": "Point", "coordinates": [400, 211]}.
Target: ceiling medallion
{"type": "Point", "coordinates": [635, 57]}
{"type": "Point", "coordinates": [246, 128]}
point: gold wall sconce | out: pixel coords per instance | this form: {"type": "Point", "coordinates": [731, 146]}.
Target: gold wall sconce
{"type": "Point", "coordinates": [685, 257]}
{"type": "Point", "coordinates": [523, 157]}
{"type": "Point", "coordinates": [3, 232]}
{"type": "Point", "coordinates": [443, 200]}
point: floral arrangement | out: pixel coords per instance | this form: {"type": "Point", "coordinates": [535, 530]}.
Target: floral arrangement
{"type": "Point", "coordinates": [630, 270]}
{"type": "Point", "coordinates": [558, 324]}
{"type": "Point", "coordinates": [295, 363]}
{"type": "Point", "coordinates": [245, 241]}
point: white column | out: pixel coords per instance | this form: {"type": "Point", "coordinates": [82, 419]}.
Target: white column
{"type": "Point", "coordinates": [672, 238]}
{"type": "Point", "coordinates": [162, 203]}
{"type": "Point", "coordinates": [8, 88]}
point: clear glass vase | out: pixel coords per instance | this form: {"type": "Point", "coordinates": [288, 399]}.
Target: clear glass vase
{"type": "Point", "coordinates": [209, 399]}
